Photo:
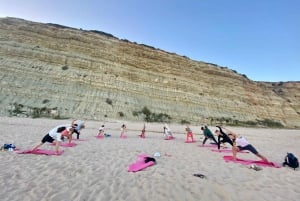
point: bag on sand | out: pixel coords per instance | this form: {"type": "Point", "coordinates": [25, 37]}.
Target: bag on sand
{"type": "Point", "coordinates": [9, 146]}
{"type": "Point", "coordinates": [291, 160]}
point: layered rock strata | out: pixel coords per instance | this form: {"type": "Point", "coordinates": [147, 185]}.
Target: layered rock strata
{"type": "Point", "coordinates": [83, 74]}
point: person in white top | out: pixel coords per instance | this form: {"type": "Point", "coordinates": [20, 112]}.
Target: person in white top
{"type": "Point", "coordinates": [79, 126]}
{"type": "Point", "coordinates": [167, 132]}
{"type": "Point", "coordinates": [240, 143]}
{"type": "Point", "coordinates": [55, 136]}
{"type": "Point", "coordinates": [101, 131]}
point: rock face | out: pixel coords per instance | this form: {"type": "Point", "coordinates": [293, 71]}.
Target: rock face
{"type": "Point", "coordinates": [74, 73]}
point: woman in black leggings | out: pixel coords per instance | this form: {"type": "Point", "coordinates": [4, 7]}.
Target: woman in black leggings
{"type": "Point", "coordinates": [222, 137]}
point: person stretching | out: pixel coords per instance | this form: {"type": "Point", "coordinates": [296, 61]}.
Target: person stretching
{"type": "Point", "coordinates": [79, 126]}
{"type": "Point", "coordinates": [101, 131]}
{"type": "Point", "coordinates": [240, 143]}
{"type": "Point", "coordinates": [222, 137]}
{"type": "Point", "coordinates": [55, 136]}
{"type": "Point", "coordinates": [168, 133]}
{"type": "Point", "coordinates": [207, 135]}
{"type": "Point", "coordinates": [142, 135]}
{"type": "Point", "coordinates": [123, 131]}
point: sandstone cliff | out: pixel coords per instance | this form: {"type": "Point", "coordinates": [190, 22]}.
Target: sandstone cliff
{"type": "Point", "coordinates": [49, 68]}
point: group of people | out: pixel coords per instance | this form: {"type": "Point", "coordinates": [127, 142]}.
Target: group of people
{"type": "Point", "coordinates": [238, 143]}
{"type": "Point", "coordinates": [101, 132]}
{"type": "Point", "coordinates": [57, 134]}
{"type": "Point", "coordinates": [166, 131]}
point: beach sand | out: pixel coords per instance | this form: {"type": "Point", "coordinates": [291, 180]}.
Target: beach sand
{"type": "Point", "coordinates": [96, 169]}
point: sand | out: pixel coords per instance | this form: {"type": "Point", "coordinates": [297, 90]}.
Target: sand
{"type": "Point", "coordinates": [96, 169]}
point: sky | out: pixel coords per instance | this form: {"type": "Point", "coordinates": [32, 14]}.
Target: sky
{"type": "Point", "coordinates": [256, 38]}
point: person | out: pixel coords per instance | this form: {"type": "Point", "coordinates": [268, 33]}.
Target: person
{"type": "Point", "coordinates": [167, 132]}
{"type": "Point", "coordinates": [207, 135]}
{"type": "Point", "coordinates": [142, 135]}
{"type": "Point", "coordinates": [64, 133]}
{"type": "Point", "coordinates": [101, 131]}
{"type": "Point", "coordinates": [189, 133]}
{"type": "Point", "coordinates": [240, 143]}
{"type": "Point", "coordinates": [123, 131]}
{"type": "Point", "coordinates": [55, 136]}
{"type": "Point", "coordinates": [222, 137]}
{"type": "Point", "coordinates": [80, 125]}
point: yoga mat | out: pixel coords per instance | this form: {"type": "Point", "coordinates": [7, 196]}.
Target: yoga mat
{"type": "Point", "coordinates": [169, 138]}
{"type": "Point", "coordinates": [249, 162]}
{"type": "Point", "coordinates": [40, 152]}
{"type": "Point", "coordinates": [66, 144]}
{"type": "Point", "coordinates": [190, 141]}
{"type": "Point", "coordinates": [228, 151]}
{"type": "Point", "coordinates": [208, 145]}
{"type": "Point", "coordinates": [99, 136]}
{"type": "Point", "coordinates": [140, 164]}
{"type": "Point", "coordinates": [74, 139]}
{"type": "Point", "coordinates": [137, 166]}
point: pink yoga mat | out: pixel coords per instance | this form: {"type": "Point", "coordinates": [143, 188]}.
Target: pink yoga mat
{"type": "Point", "coordinates": [66, 144]}
{"type": "Point", "coordinates": [249, 162]}
{"type": "Point", "coordinates": [74, 139]}
{"type": "Point", "coordinates": [137, 166]}
{"type": "Point", "coordinates": [190, 141]}
{"type": "Point", "coordinates": [208, 145]}
{"type": "Point", "coordinates": [40, 152]}
{"type": "Point", "coordinates": [227, 151]}
{"type": "Point", "coordinates": [140, 164]}
{"type": "Point", "coordinates": [99, 136]}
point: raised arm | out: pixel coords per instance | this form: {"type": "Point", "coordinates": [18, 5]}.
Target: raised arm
{"type": "Point", "coordinates": [221, 131]}
{"type": "Point", "coordinates": [70, 134]}
{"type": "Point", "coordinates": [57, 146]}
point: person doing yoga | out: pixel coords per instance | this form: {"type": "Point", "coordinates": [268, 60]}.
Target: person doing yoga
{"type": "Point", "coordinates": [240, 143]}
{"type": "Point", "coordinates": [222, 137]}
{"type": "Point", "coordinates": [208, 135]}
{"type": "Point", "coordinates": [55, 136]}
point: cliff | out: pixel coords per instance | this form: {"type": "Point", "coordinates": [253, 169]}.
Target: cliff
{"type": "Point", "coordinates": [49, 69]}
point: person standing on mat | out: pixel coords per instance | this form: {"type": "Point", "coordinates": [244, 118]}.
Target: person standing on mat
{"type": "Point", "coordinates": [55, 136]}
{"type": "Point", "coordinates": [222, 137]}
{"type": "Point", "coordinates": [142, 135]}
{"type": "Point", "coordinates": [207, 135]}
{"type": "Point", "coordinates": [240, 143]}
{"type": "Point", "coordinates": [123, 131]}
{"type": "Point", "coordinates": [189, 133]}
{"type": "Point", "coordinates": [168, 133]}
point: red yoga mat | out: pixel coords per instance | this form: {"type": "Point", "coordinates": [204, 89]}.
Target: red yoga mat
{"type": "Point", "coordinates": [249, 162]}
{"type": "Point", "coordinates": [41, 152]}
{"type": "Point", "coordinates": [208, 145]}
{"type": "Point", "coordinates": [228, 151]}
{"type": "Point", "coordinates": [66, 144]}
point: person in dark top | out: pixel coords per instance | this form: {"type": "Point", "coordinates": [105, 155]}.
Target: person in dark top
{"type": "Point", "coordinates": [222, 137]}
{"type": "Point", "coordinates": [207, 135]}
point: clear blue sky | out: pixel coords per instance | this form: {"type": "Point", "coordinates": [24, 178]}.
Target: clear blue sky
{"type": "Point", "coordinates": [258, 38]}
